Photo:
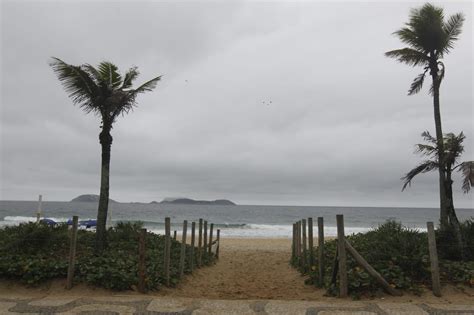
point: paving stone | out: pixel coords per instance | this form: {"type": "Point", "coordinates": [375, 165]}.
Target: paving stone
{"type": "Point", "coordinates": [340, 312]}
{"type": "Point", "coordinates": [452, 307]}
{"type": "Point", "coordinates": [258, 307]}
{"type": "Point", "coordinates": [100, 309]}
{"type": "Point", "coordinates": [401, 309]}
{"type": "Point", "coordinates": [224, 308]}
{"type": "Point", "coordinates": [121, 299]}
{"type": "Point", "coordinates": [296, 307]}
{"type": "Point", "coordinates": [168, 305]}
{"type": "Point", "coordinates": [4, 306]}
{"type": "Point", "coordinates": [52, 301]}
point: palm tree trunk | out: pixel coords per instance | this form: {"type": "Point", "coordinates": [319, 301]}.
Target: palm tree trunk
{"type": "Point", "coordinates": [439, 139]}
{"type": "Point", "coordinates": [106, 143]}
{"type": "Point", "coordinates": [452, 217]}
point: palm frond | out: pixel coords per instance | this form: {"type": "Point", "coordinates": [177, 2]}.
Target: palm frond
{"type": "Point", "coordinates": [426, 149]}
{"type": "Point", "coordinates": [109, 74]}
{"type": "Point", "coordinates": [409, 37]}
{"type": "Point", "coordinates": [452, 29]}
{"type": "Point", "coordinates": [467, 170]}
{"type": "Point", "coordinates": [130, 76]}
{"type": "Point", "coordinates": [424, 167]}
{"type": "Point", "coordinates": [81, 87]}
{"type": "Point", "coordinates": [147, 86]}
{"type": "Point", "coordinates": [417, 84]}
{"type": "Point", "coordinates": [428, 137]}
{"type": "Point", "coordinates": [409, 56]}
{"type": "Point", "coordinates": [453, 148]}
{"type": "Point", "coordinates": [92, 72]}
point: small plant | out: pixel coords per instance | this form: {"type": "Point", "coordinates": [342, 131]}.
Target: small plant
{"type": "Point", "coordinates": [34, 253]}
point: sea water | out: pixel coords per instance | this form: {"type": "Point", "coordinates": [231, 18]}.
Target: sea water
{"type": "Point", "coordinates": [233, 221]}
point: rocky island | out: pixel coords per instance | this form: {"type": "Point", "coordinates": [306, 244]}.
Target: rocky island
{"type": "Point", "coordinates": [187, 201]}
{"type": "Point", "coordinates": [88, 198]}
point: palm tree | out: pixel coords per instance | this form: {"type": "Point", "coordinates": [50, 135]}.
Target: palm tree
{"type": "Point", "coordinates": [467, 169]}
{"type": "Point", "coordinates": [453, 148]}
{"type": "Point", "coordinates": [104, 92]}
{"type": "Point", "coordinates": [429, 37]}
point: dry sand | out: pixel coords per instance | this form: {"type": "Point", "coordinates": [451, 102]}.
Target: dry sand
{"type": "Point", "coordinates": [259, 269]}
{"type": "Point", "coordinates": [247, 269]}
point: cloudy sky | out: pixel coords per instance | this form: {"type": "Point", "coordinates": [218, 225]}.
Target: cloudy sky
{"type": "Point", "coordinates": [289, 103]}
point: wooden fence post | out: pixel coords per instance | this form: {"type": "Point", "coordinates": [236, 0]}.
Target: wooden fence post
{"type": "Point", "coordinates": [436, 285]}
{"type": "Point", "coordinates": [304, 260]}
{"type": "Point", "coordinates": [204, 243]}
{"type": "Point", "coordinates": [167, 250]}
{"type": "Point", "coordinates": [293, 244]}
{"type": "Point", "coordinates": [370, 270]}
{"type": "Point", "coordinates": [210, 238]}
{"type": "Point", "coordinates": [200, 244]}
{"type": "Point", "coordinates": [141, 261]}
{"type": "Point", "coordinates": [183, 249]}
{"type": "Point", "coordinates": [310, 242]}
{"type": "Point", "coordinates": [72, 253]}
{"type": "Point", "coordinates": [298, 241]}
{"type": "Point", "coordinates": [341, 247]}
{"type": "Point", "coordinates": [218, 242]}
{"type": "Point", "coordinates": [193, 241]}
{"type": "Point", "coordinates": [175, 235]}
{"type": "Point", "coordinates": [321, 250]}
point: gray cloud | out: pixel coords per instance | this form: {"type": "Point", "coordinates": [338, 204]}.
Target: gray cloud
{"type": "Point", "coordinates": [339, 130]}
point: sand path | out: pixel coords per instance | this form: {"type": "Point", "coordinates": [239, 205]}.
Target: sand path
{"type": "Point", "coordinates": [256, 269]}
{"type": "Point", "coordinates": [259, 269]}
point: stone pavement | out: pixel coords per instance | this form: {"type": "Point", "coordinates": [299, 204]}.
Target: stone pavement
{"type": "Point", "coordinates": [148, 305]}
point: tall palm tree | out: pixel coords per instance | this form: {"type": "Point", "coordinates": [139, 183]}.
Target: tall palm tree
{"type": "Point", "coordinates": [104, 92]}
{"type": "Point", "coordinates": [429, 37]}
{"type": "Point", "coordinates": [453, 148]}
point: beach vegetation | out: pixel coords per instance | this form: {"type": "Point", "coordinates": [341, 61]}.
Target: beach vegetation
{"type": "Point", "coordinates": [35, 253]}
{"type": "Point", "coordinates": [400, 255]}
{"type": "Point", "coordinates": [105, 92]}
{"type": "Point", "coordinates": [430, 36]}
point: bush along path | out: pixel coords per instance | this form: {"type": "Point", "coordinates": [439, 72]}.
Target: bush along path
{"type": "Point", "coordinates": [34, 253]}
{"type": "Point", "coordinates": [399, 255]}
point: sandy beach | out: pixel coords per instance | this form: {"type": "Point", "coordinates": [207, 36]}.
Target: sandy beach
{"type": "Point", "coordinates": [247, 269]}
{"type": "Point", "coordinates": [258, 269]}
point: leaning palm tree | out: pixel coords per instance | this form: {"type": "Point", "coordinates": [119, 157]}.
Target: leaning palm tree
{"type": "Point", "coordinates": [453, 148]}
{"type": "Point", "coordinates": [104, 92]}
{"type": "Point", "coordinates": [429, 37]}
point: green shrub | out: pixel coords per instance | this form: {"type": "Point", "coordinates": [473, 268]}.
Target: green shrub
{"type": "Point", "coordinates": [34, 253]}
{"type": "Point", "coordinates": [447, 244]}
{"type": "Point", "coordinates": [399, 254]}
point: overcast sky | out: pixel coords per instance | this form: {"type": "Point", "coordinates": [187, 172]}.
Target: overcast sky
{"type": "Point", "coordinates": [289, 103]}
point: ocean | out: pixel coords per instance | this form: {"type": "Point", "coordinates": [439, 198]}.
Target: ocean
{"type": "Point", "coordinates": [233, 221]}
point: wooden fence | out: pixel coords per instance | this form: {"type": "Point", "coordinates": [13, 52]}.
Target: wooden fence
{"type": "Point", "coordinates": [302, 256]}
{"type": "Point", "coordinates": [187, 251]}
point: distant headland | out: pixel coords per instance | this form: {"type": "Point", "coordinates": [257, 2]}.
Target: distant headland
{"type": "Point", "coordinates": [88, 198]}
{"type": "Point", "coordinates": [187, 201]}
